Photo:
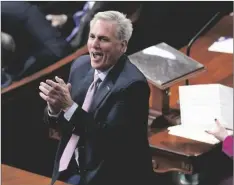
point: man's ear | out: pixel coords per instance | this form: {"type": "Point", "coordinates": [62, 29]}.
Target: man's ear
{"type": "Point", "coordinates": [124, 45]}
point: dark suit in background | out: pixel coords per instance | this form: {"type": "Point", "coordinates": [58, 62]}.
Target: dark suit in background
{"type": "Point", "coordinates": [38, 44]}
{"type": "Point", "coordinates": [113, 146]}
{"type": "Point", "coordinates": [125, 7]}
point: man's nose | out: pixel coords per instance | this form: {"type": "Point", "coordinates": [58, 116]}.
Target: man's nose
{"type": "Point", "coordinates": [96, 43]}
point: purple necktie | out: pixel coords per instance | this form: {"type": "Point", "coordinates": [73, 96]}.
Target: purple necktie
{"type": "Point", "coordinates": [72, 143]}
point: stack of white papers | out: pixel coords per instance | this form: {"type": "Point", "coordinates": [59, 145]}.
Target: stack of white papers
{"type": "Point", "coordinates": [194, 134]}
{"type": "Point", "coordinates": [223, 44]}
{"type": "Point", "coordinates": [200, 105]}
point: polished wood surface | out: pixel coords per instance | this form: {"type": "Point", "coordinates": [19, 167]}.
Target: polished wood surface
{"type": "Point", "coordinates": [178, 145]}
{"type": "Point", "coordinates": [219, 65]}
{"type": "Point", "coordinates": [15, 176]}
{"type": "Point", "coordinates": [173, 153]}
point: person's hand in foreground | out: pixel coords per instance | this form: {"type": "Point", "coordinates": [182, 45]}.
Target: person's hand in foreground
{"type": "Point", "coordinates": [219, 131]}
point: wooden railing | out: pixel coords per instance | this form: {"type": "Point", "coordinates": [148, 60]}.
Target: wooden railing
{"type": "Point", "coordinates": [61, 63]}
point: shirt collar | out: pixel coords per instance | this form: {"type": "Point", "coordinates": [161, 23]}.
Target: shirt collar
{"type": "Point", "coordinates": [102, 74]}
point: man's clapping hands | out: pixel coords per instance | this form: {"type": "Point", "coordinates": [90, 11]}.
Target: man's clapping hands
{"type": "Point", "coordinates": [56, 94]}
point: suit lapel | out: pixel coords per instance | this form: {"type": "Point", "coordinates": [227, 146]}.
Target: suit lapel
{"type": "Point", "coordinates": [80, 92]}
{"type": "Point", "coordinates": [102, 92]}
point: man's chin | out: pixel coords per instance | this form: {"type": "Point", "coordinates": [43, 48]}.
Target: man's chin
{"type": "Point", "coordinates": [95, 65]}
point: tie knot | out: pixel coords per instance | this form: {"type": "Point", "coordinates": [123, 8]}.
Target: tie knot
{"type": "Point", "coordinates": [96, 79]}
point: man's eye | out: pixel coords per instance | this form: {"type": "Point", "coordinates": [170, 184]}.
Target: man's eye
{"type": "Point", "coordinates": [104, 39]}
{"type": "Point", "coordinates": [92, 36]}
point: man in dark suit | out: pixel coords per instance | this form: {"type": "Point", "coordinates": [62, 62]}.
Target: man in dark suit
{"type": "Point", "coordinates": [112, 137]}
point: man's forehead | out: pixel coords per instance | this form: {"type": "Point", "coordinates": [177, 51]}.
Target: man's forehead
{"type": "Point", "coordinates": [103, 28]}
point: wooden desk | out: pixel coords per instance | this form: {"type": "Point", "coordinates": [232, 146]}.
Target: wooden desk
{"type": "Point", "coordinates": [172, 153]}
{"type": "Point", "coordinates": [15, 176]}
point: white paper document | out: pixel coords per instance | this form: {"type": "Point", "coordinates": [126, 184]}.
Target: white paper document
{"type": "Point", "coordinates": [194, 134]}
{"type": "Point", "coordinates": [200, 105]}
{"type": "Point", "coordinates": [223, 44]}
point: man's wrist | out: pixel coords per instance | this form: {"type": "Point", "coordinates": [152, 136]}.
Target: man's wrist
{"type": "Point", "coordinates": [224, 136]}
{"type": "Point", "coordinates": [53, 114]}
{"type": "Point", "coordinates": [69, 113]}
{"type": "Point", "coordinates": [69, 106]}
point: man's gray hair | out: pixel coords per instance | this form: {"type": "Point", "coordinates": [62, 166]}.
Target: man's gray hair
{"type": "Point", "coordinates": [124, 25]}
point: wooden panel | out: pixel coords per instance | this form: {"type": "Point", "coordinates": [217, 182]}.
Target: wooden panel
{"type": "Point", "coordinates": [14, 176]}
{"type": "Point", "coordinates": [178, 145]}
{"type": "Point", "coordinates": [165, 162]}
{"type": "Point", "coordinates": [173, 153]}
{"type": "Point", "coordinates": [158, 98]}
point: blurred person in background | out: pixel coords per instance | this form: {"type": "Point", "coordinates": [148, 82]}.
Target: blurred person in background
{"type": "Point", "coordinates": [37, 43]}
{"type": "Point", "coordinates": [7, 53]}
{"type": "Point", "coordinates": [75, 25]}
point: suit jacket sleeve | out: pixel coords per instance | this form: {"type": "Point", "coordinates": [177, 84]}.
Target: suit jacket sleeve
{"type": "Point", "coordinates": [51, 121]}
{"type": "Point", "coordinates": [228, 146]}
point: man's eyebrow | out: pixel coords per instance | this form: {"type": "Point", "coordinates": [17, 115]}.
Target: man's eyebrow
{"type": "Point", "coordinates": [103, 37]}
{"type": "Point", "coordinates": [99, 36]}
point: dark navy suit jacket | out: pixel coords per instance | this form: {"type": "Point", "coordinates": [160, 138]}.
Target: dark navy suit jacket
{"type": "Point", "coordinates": [113, 146]}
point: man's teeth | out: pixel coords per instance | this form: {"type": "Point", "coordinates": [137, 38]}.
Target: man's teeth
{"type": "Point", "coordinates": [97, 54]}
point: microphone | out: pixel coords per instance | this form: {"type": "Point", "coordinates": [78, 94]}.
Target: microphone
{"type": "Point", "coordinates": [213, 18]}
